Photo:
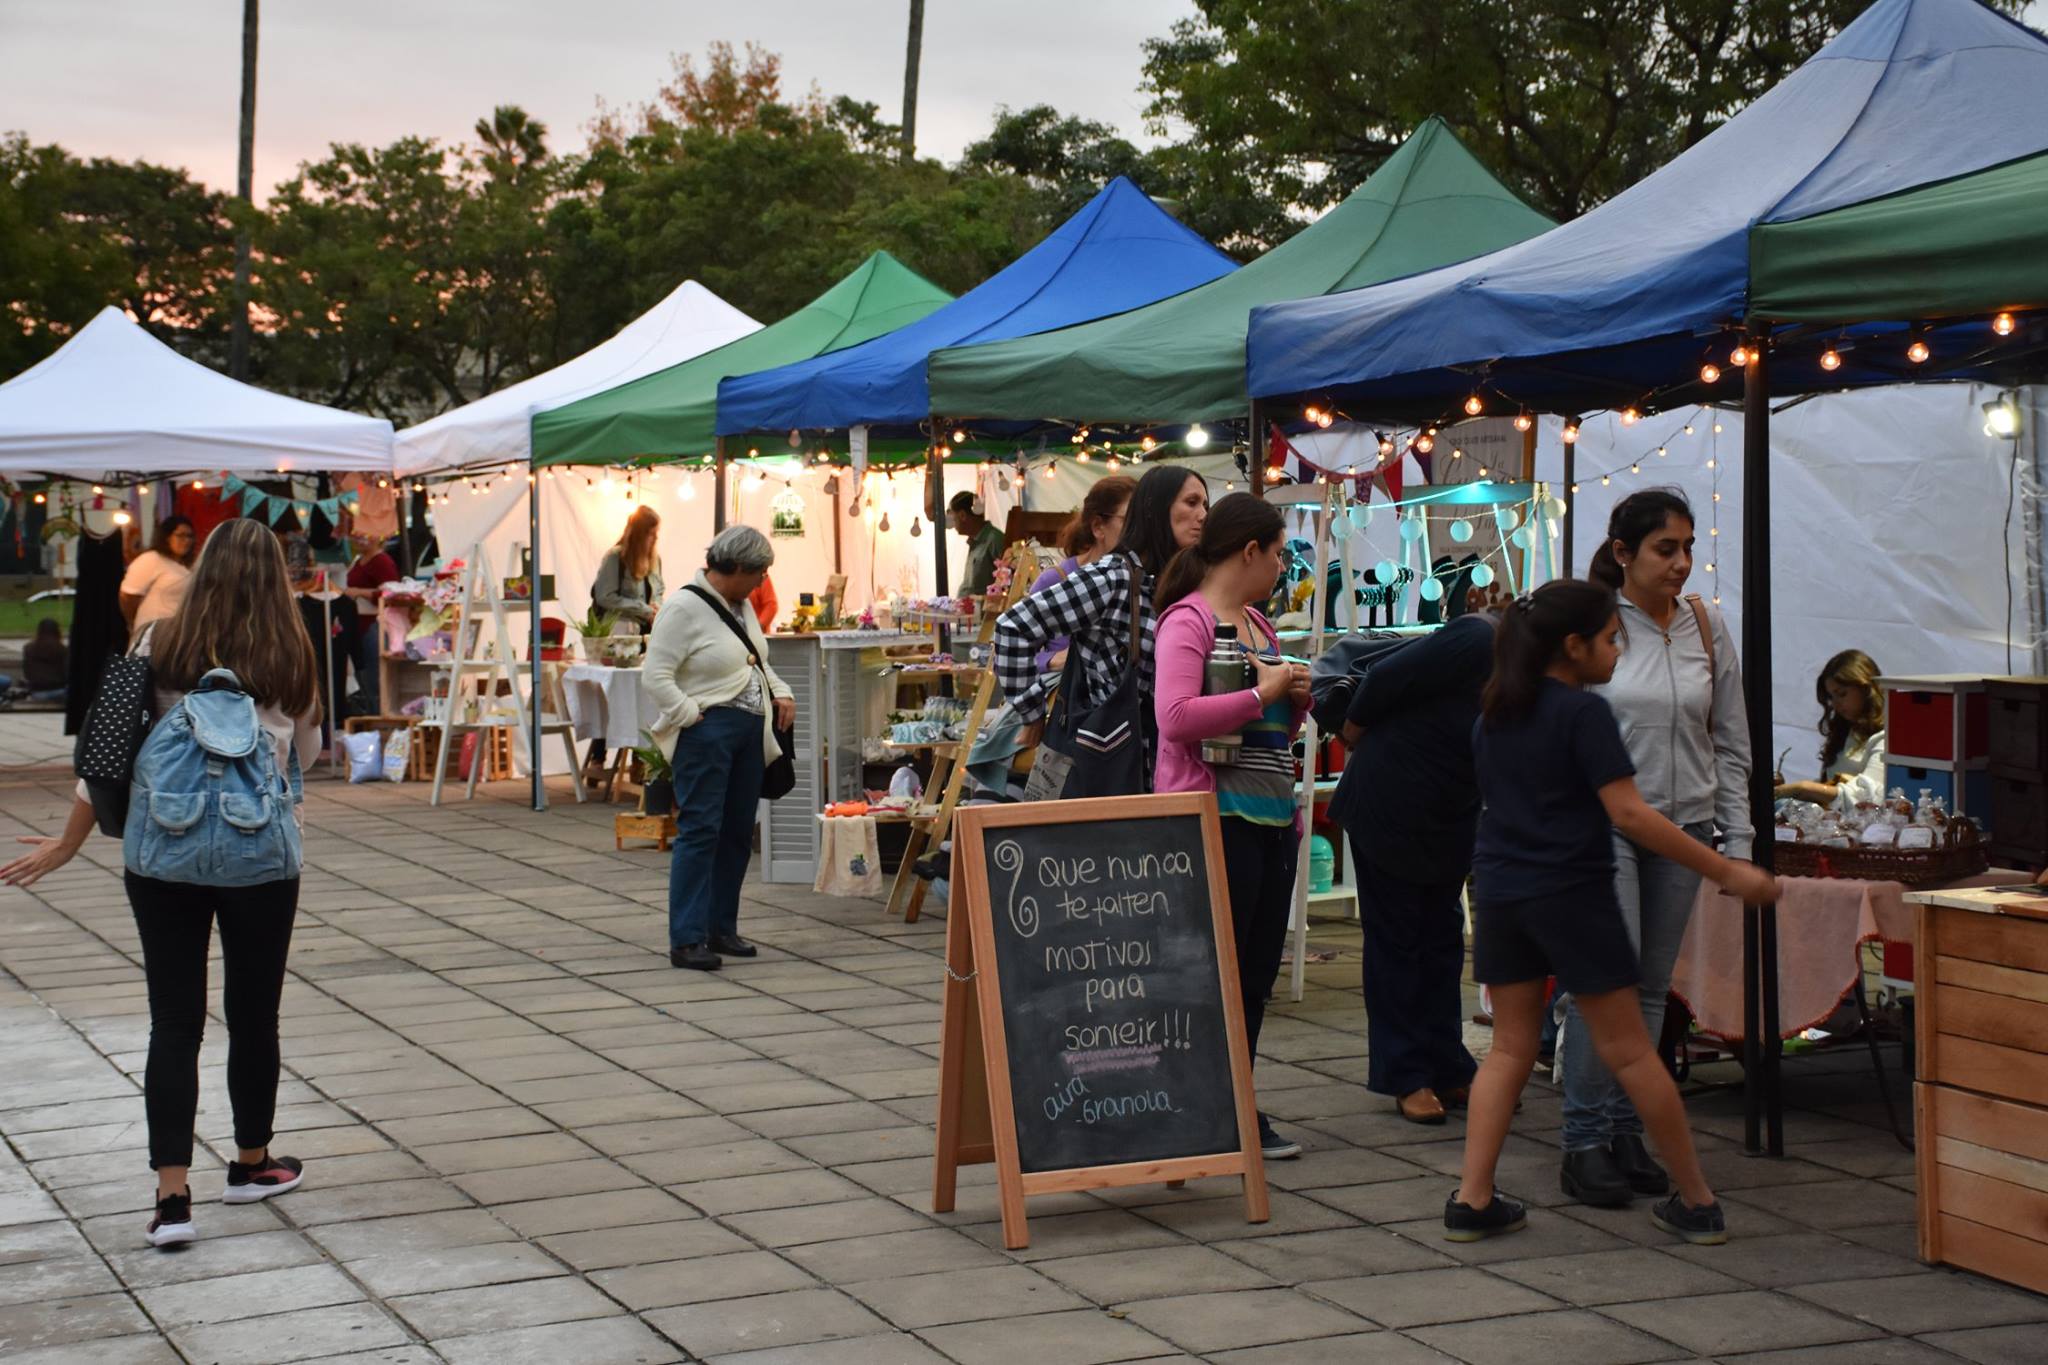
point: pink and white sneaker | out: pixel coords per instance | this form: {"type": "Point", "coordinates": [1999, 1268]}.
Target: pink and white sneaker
{"type": "Point", "coordinates": [172, 1224]}
{"type": "Point", "coordinates": [272, 1175]}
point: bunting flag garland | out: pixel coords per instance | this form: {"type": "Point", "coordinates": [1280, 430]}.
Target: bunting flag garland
{"type": "Point", "coordinates": [270, 508]}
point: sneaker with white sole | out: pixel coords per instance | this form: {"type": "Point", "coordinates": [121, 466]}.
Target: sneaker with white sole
{"type": "Point", "coordinates": [172, 1224]}
{"type": "Point", "coordinates": [272, 1175]}
{"type": "Point", "coordinates": [1274, 1147]}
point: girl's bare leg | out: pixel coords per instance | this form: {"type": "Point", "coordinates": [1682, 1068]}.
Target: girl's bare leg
{"type": "Point", "coordinates": [1517, 1030]}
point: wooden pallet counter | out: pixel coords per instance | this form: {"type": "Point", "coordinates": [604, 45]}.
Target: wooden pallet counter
{"type": "Point", "coordinates": [1981, 1103]}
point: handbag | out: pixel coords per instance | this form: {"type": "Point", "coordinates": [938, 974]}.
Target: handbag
{"type": "Point", "coordinates": [1108, 743]}
{"type": "Point", "coordinates": [111, 735]}
{"type": "Point", "coordinates": [778, 779]}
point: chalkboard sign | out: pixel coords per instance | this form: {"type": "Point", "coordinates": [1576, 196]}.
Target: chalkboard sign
{"type": "Point", "coordinates": [1110, 1018]}
{"type": "Point", "coordinates": [1111, 996]}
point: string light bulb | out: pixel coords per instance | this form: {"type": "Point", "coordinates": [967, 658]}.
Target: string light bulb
{"type": "Point", "coordinates": [1831, 360]}
{"type": "Point", "coordinates": [1114, 463]}
{"type": "Point", "coordinates": [1146, 443]}
{"type": "Point", "coordinates": [1660, 452]}
{"type": "Point", "coordinates": [1312, 414]}
{"type": "Point", "coordinates": [1710, 462]}
{"type": "Point", "coordinates": [1326, 419]}
{"type": "Point", "coordinates": [1918, 352]}
{"type": "Point", "coordinates": [1739, 357]}
{"type": "Point", "coordinates": [1474, 406]}
{"type": "Point", "coordinates": [1197, 437]}
{"type": "Point", "coordinates": [1688, 428]}
{"type": "Point", "coordinates": [2003, 324]}
{"type": "Point", "coordinates": [1570, 434]}
{"type": "Point", "coordinates": [1635, 469]}
{"type": "Point", "coordinates": [97, 488]}
{"type": "Point", "coordinates": [1386, 447]}
{"type": "Point", "coordinates": [40, 499]}
{"type": "Point", "coordinates": [122, 518]}
{"type": "Point", "coordinates": [959, 436]}
{"type": "Point", "coordinates": [1605, 480]}
{"type": "Point", "coordinates": [1710, 373]}
{"type": "Point", "coordinates": [1425, 443]}
{"type": "Point", "coordinates": [1019, 480]}
{"type": "Point", "coordinates": [1523, 421]}
{"type": "Point", "coordinates": [1050, 468]}
{"type": "Point", "coordinates": [1274, 475]}
{"type": "Point", "coordinates": [1629, 417]}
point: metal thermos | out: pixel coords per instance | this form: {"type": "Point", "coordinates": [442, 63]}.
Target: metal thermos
{"type": "Point", "coordinates": [1225, 672]}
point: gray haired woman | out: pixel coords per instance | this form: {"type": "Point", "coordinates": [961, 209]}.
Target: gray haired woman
{"type": "Point", "coordinates": [707, 669]}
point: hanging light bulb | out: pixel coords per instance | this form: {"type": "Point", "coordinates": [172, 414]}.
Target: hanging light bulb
{"type": "Point", "coordinates": [1605, 480]}
{"type": "Point", "coordinates": [605, 484]}
{"type": "Point", "coordinates": [1083, 456]}
{"type": "Point", "coordinates": [1425, 443]}
{"type": "Point", "coordinates": [122, 518]}
{"type": "Point", "coordinates": [1386, 447]}
{"type": "Point", "coordinates": [1198, 437]}
{"type": "Point", "coordinates": [1831, 359]}
{"type": "Point", "coordinates": [1114, 463]}
{"type": "Point", "coordinates": [1570, 434]}
{"type": "Point", "coordinates": [142, 489]}
{"type": "Point", "coordinates": [1274, 475]}
{"type": "Point", "coordinates": [1635, 469]}
{"type": "Point", "coordinates": [1484, 471]}
{"type": "Point", "coordinates": [1710, 568]}
{"type": "Point", "coordinates": [1523, 421]}
{"type": "Point", "coordinates": [1312, 414]}
{"type": "Point", "coordinates": [1717, 428]}
{"type": "Point", "coordinates": [1474, 405]}
{"type": "Point", "coordinates": [1020, 478]}
{"type": "Point", "coordinates": [1710, 373]}
{"type": "Point", "coordinates": [1660, 452]}
{"type": "Point", "coordinates": [1710, 462]}
{"type": "Point", "coordinates": [1229, 486]}
{"type": "Point", "coordinates": [40, 499]}
{"type": "Point", "coordinates": [1739, 356]}
{"type": "Point", "coordinates": [96, 488]}
{"type": "Point", "coordinates": [2003, 324]}
{"type": "Point", "coordinates": [916, 526]}
{"type": "Point", "coordinates": [1714, 531]}
{"type": "Point", "coordinates": [1146, 443]}
{"type": "Point", "coordinates": [884, 524]}
{"type": "Point", "coordinates": [1051, 468]}
{"type": "Point", "coordinates": [199, 483]}
{"type": "Point", "coordinates": [1326, 420]}
{"type": "Point", "coordinates": [1629, 417]}
{"type": "Point", "coordinates": [959, 438]}
{"type": "Point", "coordinates": [1688, 428]}
{"type": "Point", "coordinates": [1575, 488]}
{"type": "Point", "coordinates": [1918, 352]}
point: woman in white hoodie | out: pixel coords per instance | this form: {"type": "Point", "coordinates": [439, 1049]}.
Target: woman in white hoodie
{"type": "Point", "coordinates": [707, 669]}
{"type": "Point", "coordinates": [1677, 692]}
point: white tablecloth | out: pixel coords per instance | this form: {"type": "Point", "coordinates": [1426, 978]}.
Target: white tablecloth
{"type": "Point", "coordinates": [607, 704]}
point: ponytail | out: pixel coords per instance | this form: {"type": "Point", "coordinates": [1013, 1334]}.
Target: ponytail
{"type": "Point", "coordinates": [1530, 638]}
{"type": "Point", "coordinates": [1237, 520]}
{"type": "Point", "coordinates": [1634, 520]}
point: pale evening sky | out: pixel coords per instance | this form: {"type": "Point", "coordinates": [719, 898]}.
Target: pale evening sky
{"type": "Point", "coordinates": [160, 79]}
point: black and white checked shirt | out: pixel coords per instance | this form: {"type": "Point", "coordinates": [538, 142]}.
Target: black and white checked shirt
{"type": "Point", "coordinates": [1092, 607]}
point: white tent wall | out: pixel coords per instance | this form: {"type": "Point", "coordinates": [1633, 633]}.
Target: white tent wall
{"type": "Point", "coordinates": [1890, 531]}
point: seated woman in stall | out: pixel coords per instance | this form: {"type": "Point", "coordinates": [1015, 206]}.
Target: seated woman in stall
{"type": "Point", "coordinates": [1852, 753]}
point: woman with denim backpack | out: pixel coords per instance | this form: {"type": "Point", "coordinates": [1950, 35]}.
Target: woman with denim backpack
{"type": "Point", "coordinates": [237, 615]}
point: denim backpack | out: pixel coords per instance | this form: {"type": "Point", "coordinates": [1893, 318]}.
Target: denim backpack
{"type": "Point", "coordinates": [208, 805]}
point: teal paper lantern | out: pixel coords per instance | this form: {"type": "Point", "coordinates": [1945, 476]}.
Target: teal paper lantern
{"type": "Point", "coordinates": [1510, 518]}
{"type": "Point", "coordinates": [1482, 575]}
{"type": "Point", "coordinates": [1520, 537]}
{"type": "Point", "coordinates": [1411, 528]}
{"type": "Point", "coordinates": [1461, 530]}
{"type": "Point", "coordinates": [1361, 515]}
{"type": "Point", "coordinates": [1385, 570]}
{"type": "Point", "coordinates": [1432, 590]}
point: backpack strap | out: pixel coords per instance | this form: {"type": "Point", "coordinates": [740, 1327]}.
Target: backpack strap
{"type": "Point", "coordinates": [753, 655]}
{"type": "Point", "coordinates": [1699, 614]}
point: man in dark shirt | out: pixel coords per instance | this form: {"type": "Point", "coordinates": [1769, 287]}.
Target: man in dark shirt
{"type": "Point", "coordinates": [1410, 803]}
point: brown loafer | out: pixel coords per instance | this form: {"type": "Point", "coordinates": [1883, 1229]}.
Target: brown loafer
{"type": "Point", "coordinates": [1421, 1106]}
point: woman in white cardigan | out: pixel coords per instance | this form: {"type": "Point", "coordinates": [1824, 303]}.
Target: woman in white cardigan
{"type": "Point", "coordinates": [720, 703]}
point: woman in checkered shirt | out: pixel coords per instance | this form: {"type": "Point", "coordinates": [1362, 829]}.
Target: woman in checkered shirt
{"type": "Point", "coordinates": [1092, 607]}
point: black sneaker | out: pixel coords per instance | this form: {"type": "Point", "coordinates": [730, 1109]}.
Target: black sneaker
{"type": "Point", "coordinates": [1638, 1167]}
{"type": "Point", "coordinates": [1703, 1227]}
{"type": "Point", "coordinates": [1275, 1147]}
{"type": "Point", "coordinates": [272, 1175]}
{"type": "Point", "coordinates": [172, 1224]}
{"type": "Point", "coordinates": [1463, 1223]}
{"type": "Point", "coordinates": [696, 957]}
{"type": "Point", "coordinates": [1591, 1176]}
{"type": "Point", "coordinates": [732, 945]}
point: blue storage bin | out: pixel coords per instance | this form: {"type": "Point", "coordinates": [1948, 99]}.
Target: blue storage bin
{"type": "Point", "coordinates": [1976, 796]}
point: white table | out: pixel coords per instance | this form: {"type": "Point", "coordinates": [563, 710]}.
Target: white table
{"type": "Point", "coordinates": [608, 704]}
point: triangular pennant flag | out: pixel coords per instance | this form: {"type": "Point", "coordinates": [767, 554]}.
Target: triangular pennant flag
{"type": "Point", "coordinates": [252, 500]}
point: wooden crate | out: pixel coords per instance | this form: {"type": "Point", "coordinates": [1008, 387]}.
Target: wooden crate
{"type": "Point", "coordinates": [494, 751]}
{"type": "Point", "coordinates": [1981, 1105]}
{"type": "Point", "coordinates": [633, 825]}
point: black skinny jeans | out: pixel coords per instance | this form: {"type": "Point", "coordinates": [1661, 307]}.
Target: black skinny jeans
{"type": "Point", "coordinates": [176, 923]}
{"type": "Point", "coordinates": [1258, 864]}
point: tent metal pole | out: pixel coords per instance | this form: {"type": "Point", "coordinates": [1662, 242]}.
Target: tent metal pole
{"type": "Point", "coordinates": [935, 512]}
{"type": "Point", "coordinates": [1571, 507]}
{"type": "Point", "coordinates": [718, 486]}
{"type": "Point", "coordinates": [1763, 1101]}
{"type": "Point", "coordinates": [533, 598]}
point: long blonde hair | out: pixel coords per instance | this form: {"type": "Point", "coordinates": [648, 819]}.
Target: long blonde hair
{"type": "Point", "coordinates": [1851, 668]}
{"type": "Point", "coordinates": [637, 543]}
{"type": "Point", "coordinates": [239, 614]}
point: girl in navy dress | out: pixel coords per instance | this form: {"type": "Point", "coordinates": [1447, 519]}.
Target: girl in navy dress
{"type": "Point", "coordinates": [1558, 783]}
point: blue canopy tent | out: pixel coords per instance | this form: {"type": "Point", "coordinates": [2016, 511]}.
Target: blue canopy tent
{"type": "Point", "coordinates": [1644, 301]}
{"type": "Point", "coordinates": [1119, 251]}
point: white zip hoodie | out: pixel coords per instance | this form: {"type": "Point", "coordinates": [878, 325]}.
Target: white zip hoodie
{"type": "Point", "coordinates": [1690, 771]}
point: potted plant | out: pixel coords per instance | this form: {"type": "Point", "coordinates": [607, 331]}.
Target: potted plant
{"type": "Point", "coordinates": [595, 625]}
{"type": "Point", "coordinates": [658, 792]}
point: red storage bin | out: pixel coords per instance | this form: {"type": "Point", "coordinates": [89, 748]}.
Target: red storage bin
{"type": "Point", "coordinates": [1921, 719]}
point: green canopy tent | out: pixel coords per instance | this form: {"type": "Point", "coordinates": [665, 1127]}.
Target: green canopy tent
{"type": "Point", "coordinates": [1975, 244]}
{"type": "Point", "coordinates": [1182, 359]}
{"type": "Point", "coordinates": [670, 414]}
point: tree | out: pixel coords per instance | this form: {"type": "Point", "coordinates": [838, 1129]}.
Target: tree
{"type": "Point", "coordinates": [76, 237]}
{"type": "Point", "coordinates": [725, 98]}
{"type": "Point", "coordinates": [513, 141]}
{"type": "Point", "coordinates": [1072, 158]}
{"type": "Point", "coordinates": [1288, 105]}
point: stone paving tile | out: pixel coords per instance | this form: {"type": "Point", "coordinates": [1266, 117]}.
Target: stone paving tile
{"type": "Point", "coordinates": [605, 1341]}
{"type": "Point", "coordinates": [1603, 1277]}
{"type": "Point", "coordinates": [1893, 1352]}
{"type": "Point", "coordinates": [146, 1349]}
{"type": "Point", "coordinates": [728, 1275]}
{"type": "Point", "coordinates": [68, 1322]}
{"type": "Point", "coordinates": [1082, 1337]}
{"type": "Point", "coordinates": [894, 1348]}
{"type": "Point", "coordinates": [1207, 1323]}
{"type": "Point", "coordinates": [1574, 1334]}
{"type": "Point", "coordinates": [316, 1332]}
{"type": "Point", "coordinates": [1120, 1277]}
{"type": "Point", "coordinates": [1912, 1304]}
{"type": "Point", "coordinates": [1991, 1345]}
{"type": "Point", "coordinates": [194, 1303]}
{"type": "Point", "coordinates": [915, 1301]}
{"type": "Point", "coordinates": [1421, 1298]}
{"type": "Point", "coordinates": [794, 1317]}
{"type": "Point", "coordinates": [464, 1312]}
{"type": "Point", "coordinates": [1750, 1320]}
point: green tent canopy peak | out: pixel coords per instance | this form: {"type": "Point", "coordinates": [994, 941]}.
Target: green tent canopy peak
{"type": "Point", "coordinates": [1430, 204]}
{"type": "Point", "coordinates": [671, 414]}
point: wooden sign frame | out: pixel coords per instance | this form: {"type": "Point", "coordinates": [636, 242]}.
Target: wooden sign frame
{"type": "Point", "coordinates": [977, 1115]}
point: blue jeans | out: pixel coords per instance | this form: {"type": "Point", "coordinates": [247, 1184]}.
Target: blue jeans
{"type": "Point", "coordinates": [718, 765]}
{"type": "Point", "coordinates": [1656, 897]}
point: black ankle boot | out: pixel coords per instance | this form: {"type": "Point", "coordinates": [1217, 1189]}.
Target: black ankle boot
{"type": "Point", "coordinates": [1637, 1166]}
{"type": "Point", "coordinates": [1592, 1177]}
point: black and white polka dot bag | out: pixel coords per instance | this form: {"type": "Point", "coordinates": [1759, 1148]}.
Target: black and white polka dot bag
{"type": "Point", "coordinates": [111, 736]}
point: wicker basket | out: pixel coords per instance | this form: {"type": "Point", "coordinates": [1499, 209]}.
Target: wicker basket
{"type": "Point", "coordinates": [1961, 854]}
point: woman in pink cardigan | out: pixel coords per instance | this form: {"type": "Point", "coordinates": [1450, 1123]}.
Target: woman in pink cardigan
{"type": "Point", "coordinates": [1215, 582]}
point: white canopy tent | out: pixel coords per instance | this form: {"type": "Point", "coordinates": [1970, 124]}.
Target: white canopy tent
{"type": "Point", "coordinates": [499, 426]}
{"type": "Point", "coordinates": [114, 399]}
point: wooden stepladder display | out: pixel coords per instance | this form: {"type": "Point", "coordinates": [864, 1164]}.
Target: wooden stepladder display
{"type": "Point", "coordinates": [930, 825]}
{"type": "Point", "coordinates": [484, 662]}
{"type": "Point", "coordinates": [1094, 1026]}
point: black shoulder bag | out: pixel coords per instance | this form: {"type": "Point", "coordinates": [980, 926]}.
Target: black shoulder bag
{"type": "Point", "coordinates": [111, 735]}
{"type": "Point", "coordinates": [779, 779]}
{"type": "Point", "coordinates": [1107, 742]}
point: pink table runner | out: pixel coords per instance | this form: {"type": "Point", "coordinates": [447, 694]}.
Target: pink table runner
{"type": "Point", "coordinates": [1822, 922]}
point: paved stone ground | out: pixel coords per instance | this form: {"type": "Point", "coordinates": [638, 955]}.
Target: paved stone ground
{"type": "Point", "coordinates": [528, 1139]}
